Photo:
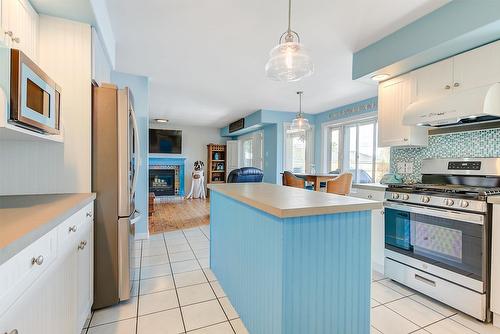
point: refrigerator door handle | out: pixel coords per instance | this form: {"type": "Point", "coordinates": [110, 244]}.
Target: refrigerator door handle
{"type": "Point", "coordinates": [136, 217]}
{"type": "Point", "coordinates": [137, 160]}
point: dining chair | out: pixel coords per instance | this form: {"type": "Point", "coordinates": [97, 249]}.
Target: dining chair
{"type": "Point", "coordinates": [291, 180]}
{"type": "Point", "coordinates": [341, 185]}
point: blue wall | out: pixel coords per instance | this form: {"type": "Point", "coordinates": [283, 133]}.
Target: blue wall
{"type": "Point", "coordinates": [458, 26]}
{"type": "Point", "coordinates": [271, 122]}
{"type": "Point", "coordinates": [139, 86]}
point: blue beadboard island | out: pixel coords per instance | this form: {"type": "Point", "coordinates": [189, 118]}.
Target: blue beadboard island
{"type": "Point", "coordinates": [292, 261]}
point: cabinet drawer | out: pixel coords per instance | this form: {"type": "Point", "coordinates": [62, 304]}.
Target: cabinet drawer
{"type": "Point", "coordinates": [463, 299]}
{"type": "Point", "coordinates": [19, 272]}
{"type": "Point", "coordinates": [375, 195]}
{"type": "Point", "coordinates": [68, 230]}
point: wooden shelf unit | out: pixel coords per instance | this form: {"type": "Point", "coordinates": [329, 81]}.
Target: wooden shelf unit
{"type": "Point", "coordinates": [216, 158]}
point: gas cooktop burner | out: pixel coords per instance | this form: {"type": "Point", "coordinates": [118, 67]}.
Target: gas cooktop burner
{"type": "Point", "coordinates": [456, 189]}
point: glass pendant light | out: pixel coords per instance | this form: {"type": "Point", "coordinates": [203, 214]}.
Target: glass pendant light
{"type": "Point", "coordinates": [300, 123]}
{"type": "Point", "coordinates": [289, 60]}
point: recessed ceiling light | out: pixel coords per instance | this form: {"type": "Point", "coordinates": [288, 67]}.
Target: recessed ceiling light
{"type": "Point", "coordinates": [161, 120]}
{"type": "Point", "coordinates": [380, 77]}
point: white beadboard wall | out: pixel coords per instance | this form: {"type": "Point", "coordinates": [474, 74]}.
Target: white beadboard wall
{"type": "Point", "coordinates": [47, 167]}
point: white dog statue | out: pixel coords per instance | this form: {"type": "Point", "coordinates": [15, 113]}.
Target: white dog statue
{"type": "Point", "coordinates": [198, 184]}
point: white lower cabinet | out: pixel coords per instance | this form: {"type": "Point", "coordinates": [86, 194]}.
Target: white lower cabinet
{"type": "Point", "coordinates": [59, 299]}
{"type": "Point", "coordinates": [85, 274]}
{"type": "Point", "coordinates": [378, 226]}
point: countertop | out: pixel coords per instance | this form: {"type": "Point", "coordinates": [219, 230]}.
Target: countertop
{"type": "Point", "coordinates": [370, 186]}
{"type": "Point", "coordinates": [284, 202]}
{"type": "Point", "coordinates": [494, 199]}
{"type": "Point", "coordinates": [25, 218]}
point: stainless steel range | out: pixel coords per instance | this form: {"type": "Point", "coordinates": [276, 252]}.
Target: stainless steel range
{"type": "Point", "coordinates": [437, 233]}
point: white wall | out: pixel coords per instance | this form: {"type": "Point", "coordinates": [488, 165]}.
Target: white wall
{"type": "Point", "coordinates": [194, 145]}
{"type": "Point", "coordinates": [101, 67]}
{"type": "Point", "coordinates": [47, 167]}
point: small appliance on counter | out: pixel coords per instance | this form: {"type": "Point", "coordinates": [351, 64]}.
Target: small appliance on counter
{"type": "Point", "coordinates": [33, 98]}
{"type": "Point", "coordinates": [438, 232]}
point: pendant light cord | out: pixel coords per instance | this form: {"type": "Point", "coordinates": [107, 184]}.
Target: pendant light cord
{"type": "Point", "coordinates": [300, 103]}
{"type": "Point", "coordinates": [289, 16]}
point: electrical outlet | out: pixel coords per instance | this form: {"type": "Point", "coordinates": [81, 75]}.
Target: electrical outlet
{"type": "Point", "coordinates": [404, 167]}
{"type": "Point", "coordinates": [400, 168]}
{"type": "Point", "coordinates": [409, 168]}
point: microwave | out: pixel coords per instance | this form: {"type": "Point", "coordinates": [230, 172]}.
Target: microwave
{"type": "Point", "coordinates": [35, 99]}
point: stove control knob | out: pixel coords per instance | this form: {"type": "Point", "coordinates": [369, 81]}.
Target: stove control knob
{"type": "Point", "coordinates": [449, 202]}
{"type": "Point", "coordinates": [426, 199]}
{"type": "Point", "coordinates": [406, 197]}
{"type": "Point", "coordinates": [395, 196]}
{"type": "Point", "coordinates": [464, 204]}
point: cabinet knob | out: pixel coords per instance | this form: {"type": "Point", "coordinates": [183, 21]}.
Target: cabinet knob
{"type": "Point", "coordinates": [447, 87]}
{"type": "Point", "coordinates": [72, 228]}
{"type": "Point", "coordinates": [9, 33]}
{"type": "Point", "coordinates": [382, 212]}
{"type": "Point", "coordinates": [370, 196]}
{"type": "Point", "coordinates": [456, 84]}
{"type": "Point", "coordinates": [16, 40]}
{"type": "Point", "coordinates": [405, 139]}
{"type": "Point", "coordinates": [82, 244]}
{"type": "Point", "coordinates": [89, 214]}
{"type": "Point", "coordinates": [37, 260]}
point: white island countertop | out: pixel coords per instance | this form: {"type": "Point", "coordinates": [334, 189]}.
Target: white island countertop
{"type": "Point", "coordinates": [284, 202]}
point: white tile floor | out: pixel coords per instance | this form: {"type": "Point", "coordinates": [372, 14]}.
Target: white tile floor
{"type": "Point", "coordinates": [175, 292]}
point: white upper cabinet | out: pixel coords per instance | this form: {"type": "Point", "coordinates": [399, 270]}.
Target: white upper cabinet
{"type": "Point", "coordinates": [434, 80]}
{"type": "Point", "coordinates": [468, 70]}
{"type": "Point", "coordinates": [476, 68]}
{"type": "Point", "coordinates": [20, 26]}
{"type": "Point", "coordinates": [394, 96]}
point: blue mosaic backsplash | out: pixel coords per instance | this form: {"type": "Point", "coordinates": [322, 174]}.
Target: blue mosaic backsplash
{"type": "Point", "coordinates": [473, 144]}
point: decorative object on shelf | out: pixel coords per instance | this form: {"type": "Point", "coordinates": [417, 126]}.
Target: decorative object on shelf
{"type": "Point", "coordinates": [289, 60]}
{"type": "Point", "coordinates": [216, 168]}
{"type": "Point", "coordinates": [300, 123]}
{"type": "Point", "coordinates": [198, 183]}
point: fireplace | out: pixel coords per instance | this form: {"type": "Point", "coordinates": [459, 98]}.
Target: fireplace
{"type": "Point", "coordinates": [162, 182]}
{"type": "Point", "coordinates": [166, 176]}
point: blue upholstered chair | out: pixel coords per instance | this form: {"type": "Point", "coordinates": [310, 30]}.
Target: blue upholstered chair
{"type": "Point", "coordinates": [245, 174]}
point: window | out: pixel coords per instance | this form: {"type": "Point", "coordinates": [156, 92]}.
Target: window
{"type": "Point", "coordinates": [298, 152]}
{"type": "Point", "coordinates": [352, 147]}
{"type": "Point", "coordinates": [252, 148]}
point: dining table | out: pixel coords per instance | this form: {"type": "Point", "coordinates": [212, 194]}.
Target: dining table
{"type": "Point", "coordinates": [316, 178]}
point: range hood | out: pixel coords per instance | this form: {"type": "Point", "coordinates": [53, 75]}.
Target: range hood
{"type": "Point", "coordinates": [475, 105]}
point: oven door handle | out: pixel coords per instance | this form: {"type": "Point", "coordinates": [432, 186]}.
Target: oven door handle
{"type": "Point", "coordinates": [447, 214]}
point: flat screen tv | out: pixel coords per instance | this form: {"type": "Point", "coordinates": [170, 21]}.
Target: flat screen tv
{"type": "Point", "coordinates": [165, 141]}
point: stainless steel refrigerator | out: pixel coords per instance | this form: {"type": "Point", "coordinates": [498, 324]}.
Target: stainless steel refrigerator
{"type": "Point", "coordinates": [115, 165]}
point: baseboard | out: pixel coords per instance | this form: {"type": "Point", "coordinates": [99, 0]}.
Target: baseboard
{"type": "Point", "coordinates": [142, 236]}
{"type": "Point", "coordinates": [378, 267]}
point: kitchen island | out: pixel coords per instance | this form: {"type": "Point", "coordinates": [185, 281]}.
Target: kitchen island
{"type": "Point", "coordinates": [292, 260]}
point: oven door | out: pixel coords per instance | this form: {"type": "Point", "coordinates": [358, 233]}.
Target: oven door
{"type": "Point", "coordinates": [453, 240]}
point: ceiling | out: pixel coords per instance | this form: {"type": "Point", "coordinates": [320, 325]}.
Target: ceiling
{"type": "Point", "coordinates": [205, 59]}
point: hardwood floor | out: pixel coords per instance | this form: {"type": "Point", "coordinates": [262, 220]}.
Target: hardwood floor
{"type": "Point", "coordinates": [178, 214]}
